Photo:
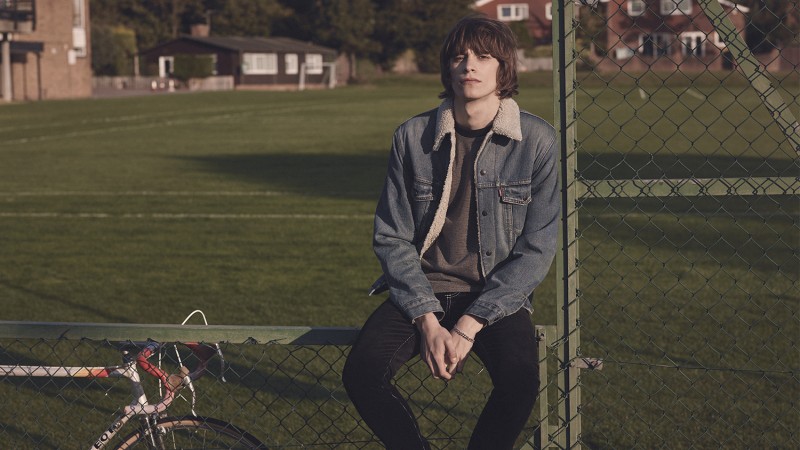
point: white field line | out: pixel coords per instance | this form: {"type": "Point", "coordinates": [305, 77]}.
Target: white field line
{"type": "Point", "coordinates": [177, 118]}
{"type": "Point", "coordinates": [133, 117]}
{"type": "Point", "coordinates": [695, 94]}
{"type": "Point", "coordinates": [105, 130]}
{"type": "Point", "coordinates": [179, 216]}
{"type": "Point", "coordinates": [642, 94]}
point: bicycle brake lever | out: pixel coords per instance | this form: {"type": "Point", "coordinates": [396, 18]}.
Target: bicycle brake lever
{"type": "Point", "coordinates": [176, 380]}
{"type": "Point", "coordinates": [221, 363]}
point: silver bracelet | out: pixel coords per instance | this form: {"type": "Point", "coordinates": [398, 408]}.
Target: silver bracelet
{"type": "Point", "coordinates": [463, 335]}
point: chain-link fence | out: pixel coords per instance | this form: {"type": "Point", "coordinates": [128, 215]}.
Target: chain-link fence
{"type": "Point", "coordinates": [681, 258]}
{"type": "Point", "coordinates": [283, 388]}
{"type": "Point", "coordinates": [679, 266]}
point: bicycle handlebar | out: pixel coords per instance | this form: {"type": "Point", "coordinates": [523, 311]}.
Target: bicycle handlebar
{"type": "Point", "coordinates": [203, 352]}
{"type": "Point", "coordinates": [174, 382]}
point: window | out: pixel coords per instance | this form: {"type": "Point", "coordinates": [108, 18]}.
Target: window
{"type": "Point", "coordinates": [718, 41]}
{"type": "Point", "coordinates": [623, 53]}
{"type": "Point", "coordinates": [511, 12]}
{"type": "Point", "coordinates": [260, 64]}
{"type": "Point", "coordinates": [79, 27]}
{"type": "Point", "coordinates": [675, 7]}
{"type": "Point", "coordinates": [166, 65]}
{"type": "Point", "coordinates": [313, 64]}
{"type": "Point", "coordinates": [656, 44]}
{"type": "Point", "coordinates": [636, 7]}
{"type": "Point", "coordinates": [290, 59]}
{"type": "Point", "coordinates": [77, 14]}
{"type": "Point", "coordinates": [693, 43]}
{"type": "Point", "coordinates": [548, 11]}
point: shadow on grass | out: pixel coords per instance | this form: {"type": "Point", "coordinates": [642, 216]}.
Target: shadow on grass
{"type": "Point", "coordinates": [594, 166]}
{"type": "Point", "coordinates": [323, 175]}
{"type": "Point", "coordinates": [60, 300]}
{"type": "Point", "coordinates": [361, 176]}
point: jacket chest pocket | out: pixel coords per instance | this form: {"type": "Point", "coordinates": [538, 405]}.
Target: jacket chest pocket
{"type": "Point", "coordinates": [423, 196]}
{"type": "Point", "coordinates": [514, 200]}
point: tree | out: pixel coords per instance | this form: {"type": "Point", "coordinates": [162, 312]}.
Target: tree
{"type": "Point", "coordinates": [772, 24]}
{"type": "Point", "coordinates": [419, 25]}
{"type": "Point", "coordinates": [300, 24]}
{"type": "Point", "coordinates": [347, 25]}
{"type": "Point", "coordinates": [434, 21]}
{"type": "Point", "coordinates": [395, 25]}
{"type": "Point", "coordinates": [247, 17]}
{"type": "Point", "coordinates": [156, 21]}
{"type": "Point", "coordinates": [113, 50]}
{"type": "Point", "coordinates": [592, 32]}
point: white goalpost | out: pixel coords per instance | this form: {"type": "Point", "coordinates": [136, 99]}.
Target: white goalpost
{"type": "Point", "coordinates": [328, 75]}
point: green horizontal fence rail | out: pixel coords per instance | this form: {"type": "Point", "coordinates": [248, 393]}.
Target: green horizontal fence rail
{"type": "Point", "coordinates": [280, 384]}
{"type": "Point", "coordinates": [178, 333]}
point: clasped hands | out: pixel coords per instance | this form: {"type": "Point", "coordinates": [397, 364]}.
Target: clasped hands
{"type": "Point", "coordinates": [445, 351]}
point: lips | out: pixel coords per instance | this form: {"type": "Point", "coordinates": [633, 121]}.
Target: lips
{"type": "Point", "coordinates": [469, 81]}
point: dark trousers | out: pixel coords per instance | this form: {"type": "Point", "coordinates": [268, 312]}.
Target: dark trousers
{"type": "Point", "coordinates": [507, 348]}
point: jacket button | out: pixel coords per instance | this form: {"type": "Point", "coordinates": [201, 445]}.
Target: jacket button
{"type": "Point", "coordinates": [488, 253]}
{"type": "Point", "coordinates": [483, 172]}
{"type": "Point", "coordinates": [484, 213]}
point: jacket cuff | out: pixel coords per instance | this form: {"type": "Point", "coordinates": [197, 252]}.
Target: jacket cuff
{"type": "Point", "coordinates": [417, 307]}
{"type": "Point", "coordinates": [491, 312]}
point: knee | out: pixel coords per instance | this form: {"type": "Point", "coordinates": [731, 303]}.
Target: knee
{"type": "Point", "coordinates": [360, 371]}
{"type": "Point", "coordinates": [350, 371]}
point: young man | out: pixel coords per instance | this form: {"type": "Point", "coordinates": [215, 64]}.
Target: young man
{"type": "Point", "coordinates": [465, 229]}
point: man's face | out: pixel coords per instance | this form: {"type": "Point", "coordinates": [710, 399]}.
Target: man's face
{"type": "Point", "coordinates": [474, 77]}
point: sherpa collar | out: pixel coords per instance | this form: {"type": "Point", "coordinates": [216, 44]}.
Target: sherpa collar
{"type": "Point", "coordinates": [506, 122]}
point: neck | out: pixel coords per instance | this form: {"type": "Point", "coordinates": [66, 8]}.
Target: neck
{"type": "Point", "coordinates": [476, 114]}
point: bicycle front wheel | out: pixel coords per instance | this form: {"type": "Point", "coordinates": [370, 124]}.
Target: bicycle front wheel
{"type": "Point", "coordinates": [191, 433]}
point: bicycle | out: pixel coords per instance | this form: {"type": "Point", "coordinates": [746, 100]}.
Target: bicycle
{"type": "Point", "coordinates": [156, 429]}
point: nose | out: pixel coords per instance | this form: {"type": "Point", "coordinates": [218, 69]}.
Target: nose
{"type": "Point", "coordinates": [469, 62]}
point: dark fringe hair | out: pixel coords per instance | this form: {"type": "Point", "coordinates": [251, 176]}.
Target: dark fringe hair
{"type": "Point", "coordinates": [482, 35]}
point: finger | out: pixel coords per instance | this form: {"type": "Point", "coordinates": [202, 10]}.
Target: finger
{"type": "Point", "coordinates": [431, 366]}
{"type": "Point", "coordinates": [452, 362]}
{"type": "Point", "coordinates": [441, 367]}
{"type": "Point", "coordinates": [450, 352]}
{"type": "Point", "coordinates": [460, 366]}
{"type": "Point", "coordinates": [425, 356]}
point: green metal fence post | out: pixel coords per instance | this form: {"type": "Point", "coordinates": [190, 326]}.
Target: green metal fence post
{"type": "Point", "coordinates": [566, 259]}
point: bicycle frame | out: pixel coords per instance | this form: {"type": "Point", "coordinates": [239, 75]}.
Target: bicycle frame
{"type": "Point", "coordinates": [140, 405]}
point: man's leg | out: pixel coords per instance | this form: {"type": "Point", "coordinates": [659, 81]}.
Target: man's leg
{"type": "Point", "coordinates": [510, 353]}
{"type": "Point", "coordinates": [386, 342]}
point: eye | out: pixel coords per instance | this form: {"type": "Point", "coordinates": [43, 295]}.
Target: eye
{"type": "Point", "coordinates": [458, 58]}
{"type": "Point", "coordinates": [485, 56]}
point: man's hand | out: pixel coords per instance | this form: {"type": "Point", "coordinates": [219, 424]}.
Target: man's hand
{"type": "Point", "coordinates": [436, 346]}
{"type": "Point", "coordinates": [469, 326]}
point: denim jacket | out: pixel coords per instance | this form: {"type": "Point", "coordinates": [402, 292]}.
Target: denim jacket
{"type": "Point", "coordinates": [518, 207]}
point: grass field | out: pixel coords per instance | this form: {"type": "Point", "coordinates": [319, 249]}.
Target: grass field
{"type": "Point", "coordinates": [256, 208]}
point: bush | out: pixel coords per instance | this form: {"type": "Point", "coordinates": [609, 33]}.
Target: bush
{"type": "Point", "coordinates": [113, 50]}
{"type": "Point", "coordinates": [193, 66]}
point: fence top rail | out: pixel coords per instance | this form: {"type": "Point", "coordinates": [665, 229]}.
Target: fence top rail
{"type": "Point", "coordinates": [236, 334]}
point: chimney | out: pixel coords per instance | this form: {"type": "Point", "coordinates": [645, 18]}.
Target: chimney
{"type": "Point", "coordinates": [200, 30]}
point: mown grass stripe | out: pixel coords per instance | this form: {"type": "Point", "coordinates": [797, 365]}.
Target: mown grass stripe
{"type": "Point", "coordinates": [59, 215]}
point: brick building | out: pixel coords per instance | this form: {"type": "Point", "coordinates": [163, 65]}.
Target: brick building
{"type": "Point", "coordinates": [53, 60]}
{"type": "Point", "coordinates": [537, 15]}
{"type": "Point", "coordinates": [666, 34]}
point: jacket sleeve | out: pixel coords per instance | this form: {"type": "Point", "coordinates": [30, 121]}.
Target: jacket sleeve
{"type": "Point", "coordinates": [393, 240]}
{"type": "Point", "coordinates": [512, 280]}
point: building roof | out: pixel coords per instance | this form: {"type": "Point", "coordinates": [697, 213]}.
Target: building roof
{"type": "Point", "coordinates": [252, 44]}
{"type": "Point", "coordinates": [27, 47]}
